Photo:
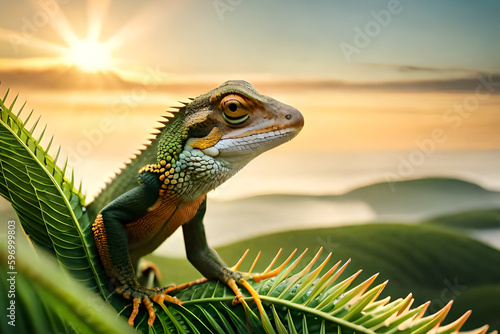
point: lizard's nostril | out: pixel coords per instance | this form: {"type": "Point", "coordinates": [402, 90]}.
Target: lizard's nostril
{"type": "Point", "coordinates": [294, 118]}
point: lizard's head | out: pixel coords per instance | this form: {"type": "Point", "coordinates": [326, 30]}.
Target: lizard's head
{"type": "Point", "coordinates": [221, 131]}
{"type": "Point", "coordinates": [235, 123]}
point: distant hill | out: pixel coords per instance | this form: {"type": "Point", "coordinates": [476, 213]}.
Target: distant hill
{"type": "Point", "coordinates": [475, 219]}
{"type": "Point", "coordinates": [482, 224]}
{"type": "Point", "coordinates": [405, 201]}
{"type": "Point", "coordinates": [411, 199]}
{"type": "Point", "coordinates": [422, 198]}
{"type": "Point", "coordinates": [434, 263]}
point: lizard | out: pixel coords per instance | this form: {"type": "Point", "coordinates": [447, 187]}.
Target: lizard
{"type": "Point", "coordinates": [203, 144]}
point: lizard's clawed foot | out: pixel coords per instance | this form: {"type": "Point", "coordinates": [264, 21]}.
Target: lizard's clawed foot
{"type": "Point", "coordinates": [242, 278]}
{"type": "Point", "coordinates": [138, 294]}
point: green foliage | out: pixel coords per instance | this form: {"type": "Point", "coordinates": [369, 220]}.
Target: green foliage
{"type": "Point", "coordinates": [52, 213]}
{"type": "Point", "coordinates": [476, 219]}
{"type": "Point", "coordinates": [50, 209]}
{"type": "Point", "coordinates": [426, 260]}
{"type": "Point", "coordinates": [48, 300]}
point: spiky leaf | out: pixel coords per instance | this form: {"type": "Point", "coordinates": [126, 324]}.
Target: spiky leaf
{"type": "Point", "coordinates": [50, 209]}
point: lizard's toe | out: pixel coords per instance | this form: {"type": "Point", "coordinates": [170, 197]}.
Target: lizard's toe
{"type": "Point", "coordinates": [136, 302]}
{"type": "Point", "coordinates": [151, 312]}
{"type": "Point", "coordinates": [160, 298]}
{"type": "Point", "coordinates": [140, 294]}
{"type": "Point", "coordinates": [231, 283]}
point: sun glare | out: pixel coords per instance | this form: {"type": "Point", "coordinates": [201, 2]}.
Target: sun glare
{"type": "Point", "coordinates": [87, 52]}
{"type": "Point", "coordinates": [90, 56]}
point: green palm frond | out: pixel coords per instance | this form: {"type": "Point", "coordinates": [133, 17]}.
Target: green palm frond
{"type": "Point", "coordinates": [310, 301]}
{"type": "Point", "coordinates": [48, 300]}
{"type": "Point", "coordinates": [50, 208]}
{"type": "Point", "coordinates": [52, 213]}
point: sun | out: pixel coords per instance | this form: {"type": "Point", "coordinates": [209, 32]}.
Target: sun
{"type": "Point", "coordinates": [88, 51]}
{"type": "Point", "coordinates": [90, 56]}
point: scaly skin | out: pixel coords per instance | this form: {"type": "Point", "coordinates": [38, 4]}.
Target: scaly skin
{"type": "Point", "coordinates": [203, 145]}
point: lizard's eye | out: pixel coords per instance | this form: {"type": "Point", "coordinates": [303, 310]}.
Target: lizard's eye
{"type": "Point", "coordinates": [233, 110]}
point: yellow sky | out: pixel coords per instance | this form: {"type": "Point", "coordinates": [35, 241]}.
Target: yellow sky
{"type": "Point", "coordinates": [98, 135]}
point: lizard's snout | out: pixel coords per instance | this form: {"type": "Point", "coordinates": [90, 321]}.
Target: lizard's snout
{"type": "Point", "coordinates": [288, 117]}
{"type": "Point", "coordinates": [294, 118]}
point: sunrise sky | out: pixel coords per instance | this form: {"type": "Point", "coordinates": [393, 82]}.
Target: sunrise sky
{"type": "Point", "coordinates": [369, 76]}
{"type": "Point", "coordinates": [404, 40]}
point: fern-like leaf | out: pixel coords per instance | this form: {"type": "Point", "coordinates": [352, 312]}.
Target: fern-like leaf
{"type": "Point", "coordinates": [48, 300]}
{"type": "Point", "coordinates": [303, 303]}
{"type": "Point", "coordinates": [50, 209]}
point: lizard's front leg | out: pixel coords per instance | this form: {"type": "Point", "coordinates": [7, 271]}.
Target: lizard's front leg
{"type": "Point", "coordinates": [111, 239]}
{"type": "Point", "coordinates": [204, 258]}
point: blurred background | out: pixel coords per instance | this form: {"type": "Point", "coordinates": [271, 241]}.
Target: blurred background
{"type": "Point", "coordinates": [402, 108]}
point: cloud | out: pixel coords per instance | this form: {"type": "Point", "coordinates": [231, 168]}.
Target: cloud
{"type": "Point", "coordinates": [468, 83]}
{"type": "Point", "coordinates": [61, 79]}
{"type": "Point", "coordinates": [413, 68]}
{"type": "Point", "coordinates": [425, 69]}
{"type": "Point", "coordinates": [72, 79]}
{"type": "Point", "coordinates": [460, 84]}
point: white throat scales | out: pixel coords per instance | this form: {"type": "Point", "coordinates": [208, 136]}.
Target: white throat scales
{"type": "Point", "coordinates": [201, 171]}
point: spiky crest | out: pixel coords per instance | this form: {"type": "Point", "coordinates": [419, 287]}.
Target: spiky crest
{"type": "Point", "coordinates": [126, 177]}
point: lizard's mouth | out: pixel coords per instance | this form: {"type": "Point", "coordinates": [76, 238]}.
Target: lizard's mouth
{"type": "Point", "coordinates": [254, 144]}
